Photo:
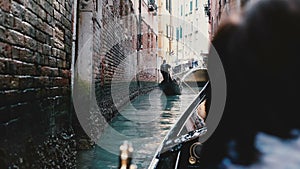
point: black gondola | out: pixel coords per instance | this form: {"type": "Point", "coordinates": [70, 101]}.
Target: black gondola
{"type": "Point", "coordinates": [180, 148]}
{"type": "Point", "coordinates": [171, 87]}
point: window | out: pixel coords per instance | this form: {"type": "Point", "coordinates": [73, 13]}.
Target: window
{"type": "Point", "coordinates": [167, 30]}
{"type": "Point", "coordinates": [170, 6]}
{"type": "Point", "coordinates": [197, 24]}
{"type": "Point", "coordinates": [186, 9]}
{"type": "Point", "coordinates": [180, 32]}
{"type": "Point", "coordinates": [191, 6]}
{"type": "Point", "coordinates": [177, 33]}
{"type": "Point", "coordinates": [196, 4]}
{"type": "Point", "coordinates": [167, 5]}
{"type": "Point", "coordinates": [181, 10]}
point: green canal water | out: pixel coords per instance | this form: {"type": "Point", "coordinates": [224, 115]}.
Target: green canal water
{"type": "Point", "coordinates": [144, 122]}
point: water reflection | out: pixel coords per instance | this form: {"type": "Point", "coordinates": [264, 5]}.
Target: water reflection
{"type": "Point", "coordinates": [168, 102]}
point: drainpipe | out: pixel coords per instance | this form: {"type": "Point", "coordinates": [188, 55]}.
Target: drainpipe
{"type": "Point", "coordinates": [74, 52]}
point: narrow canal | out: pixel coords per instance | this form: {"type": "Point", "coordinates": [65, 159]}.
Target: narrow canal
{"type": "Point", "coordinates": [146, 121]}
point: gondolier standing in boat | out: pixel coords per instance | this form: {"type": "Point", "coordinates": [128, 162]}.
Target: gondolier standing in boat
{"type": "Point", "coordinates": [164, 69]}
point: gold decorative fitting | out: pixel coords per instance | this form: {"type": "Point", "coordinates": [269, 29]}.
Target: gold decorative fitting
{"type": "Point", "coordinates": [192, 160]}
{"type": "Point", "coordinates": [193, 156]}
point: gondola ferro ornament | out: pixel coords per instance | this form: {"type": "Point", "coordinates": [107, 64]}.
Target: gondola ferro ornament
{"type": "Point", "coordinates": [193, 153]}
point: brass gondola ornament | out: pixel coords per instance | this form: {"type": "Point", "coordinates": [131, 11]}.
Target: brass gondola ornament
{"type": "Point", "coordinates": [192, 160]}
{"type": "Point", "coordinates": [193, 155]}
{"type": "Point", "coordinates": [125, 157]}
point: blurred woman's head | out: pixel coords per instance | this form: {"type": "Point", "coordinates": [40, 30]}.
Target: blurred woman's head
{"type": "Point", "coordinates": [260, 53]}
{"type": "Point", "coordinates": [261, 57]}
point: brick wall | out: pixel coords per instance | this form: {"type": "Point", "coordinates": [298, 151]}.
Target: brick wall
{"type": "Point", "coordinates": [148, 55]}
{"type": "Point", "coordinates": [118, 44]}
{"type": "Point", "coordinates": [221, 9]}
{"type": "Point", "coordinates": [115, 59]}
{"type": "Point", "coordinates": [148, 58]}
{"type": "Point", "coordinates": [35, 58]}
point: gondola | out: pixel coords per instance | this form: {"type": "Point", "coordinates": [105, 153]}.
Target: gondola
{"type": "Point", "coordinates": [171, 88]}
{"type": "Point", "coordinates": [181, 149]}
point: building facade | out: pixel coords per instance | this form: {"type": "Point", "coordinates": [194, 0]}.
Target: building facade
{"type": "Point", "coordinates": [164, 29]}
{"type": "Point", "coordinates": [219, 10]}
{"type": "Point", "coordinates": [191, 31]}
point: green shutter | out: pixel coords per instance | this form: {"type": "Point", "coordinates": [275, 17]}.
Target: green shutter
{"type": "Point", "coordinates": [180, 32]}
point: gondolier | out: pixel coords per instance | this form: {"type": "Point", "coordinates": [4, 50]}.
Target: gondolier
{"type": "Point", "coordinates": [164, 69]}
{"type": "Point", "coordinates": [169, 86]}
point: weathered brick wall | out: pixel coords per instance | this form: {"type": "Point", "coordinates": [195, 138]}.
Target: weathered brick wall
{"type": "Point", "coordinates": [35, 60]}
{"type": "Point", "coordinates": [115, 57]}
{"type": "Point", "coordinates": [109, 65]}
{"type": "Point", "coordinates": [221, 9]}
{"type": "Point", "coordinates": [148, 57]}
